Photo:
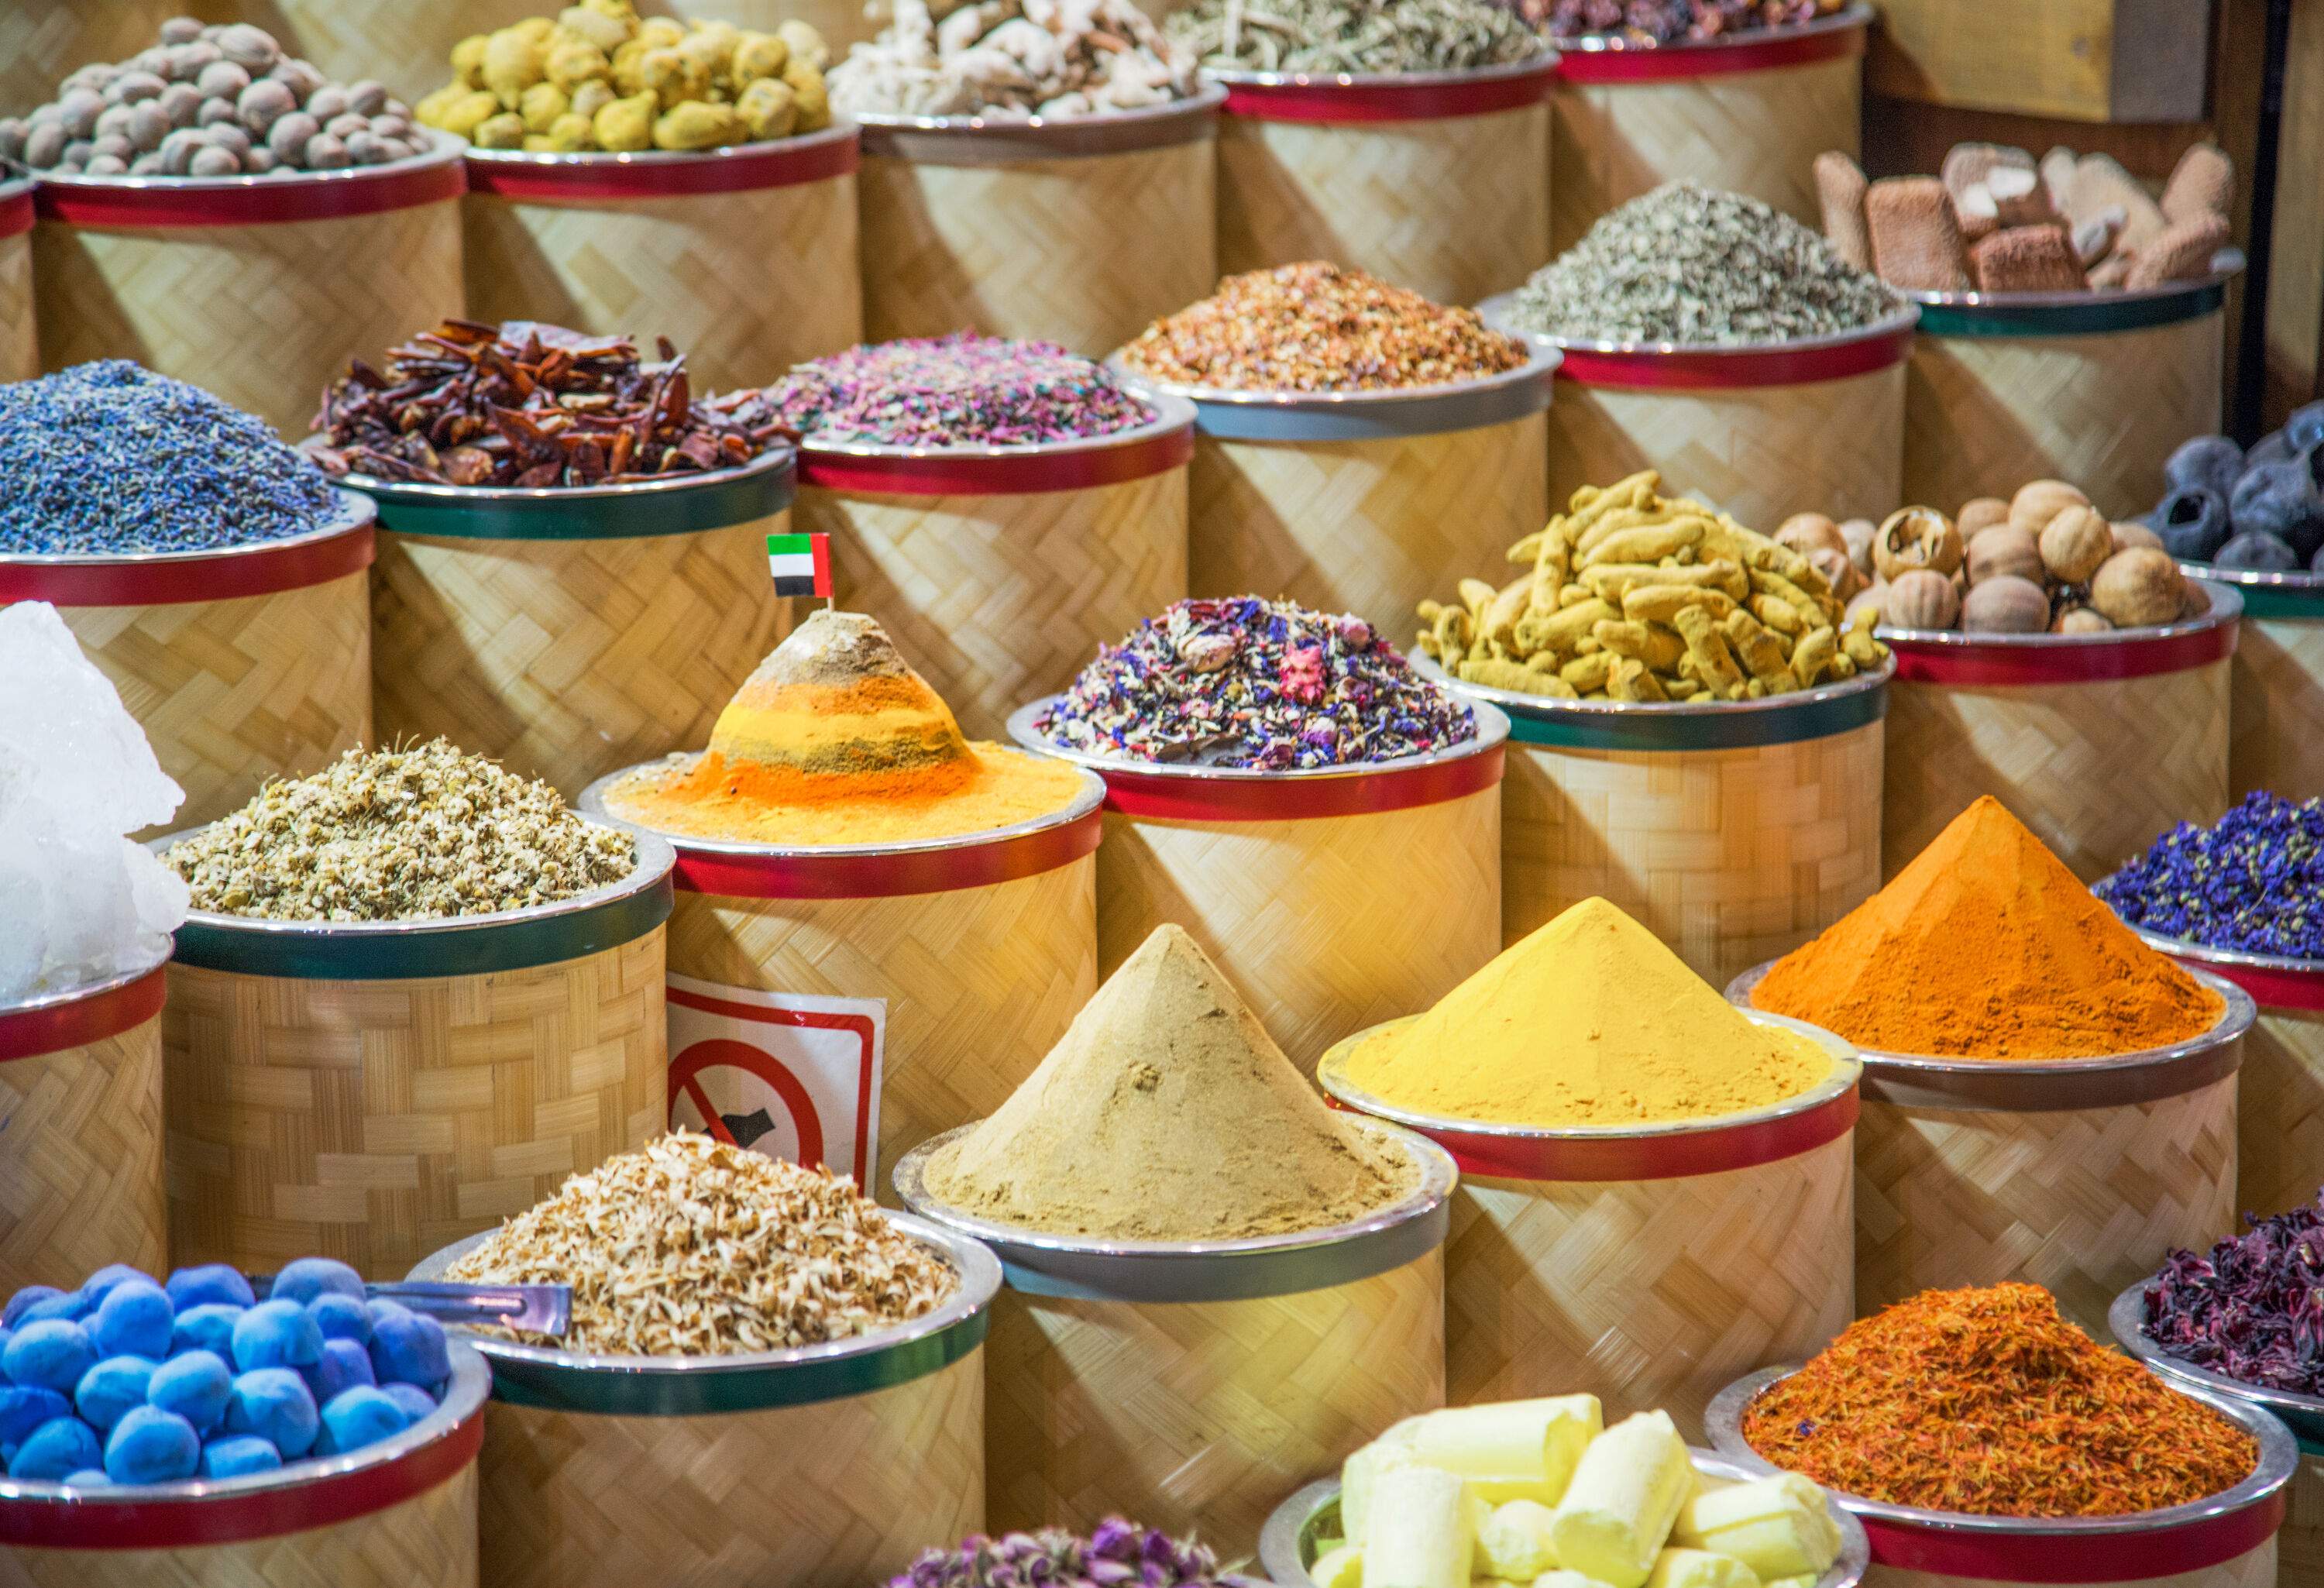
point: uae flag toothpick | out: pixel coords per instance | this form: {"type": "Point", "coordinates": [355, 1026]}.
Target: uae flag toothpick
{"type": "Point", "coordinates": [801, 564]}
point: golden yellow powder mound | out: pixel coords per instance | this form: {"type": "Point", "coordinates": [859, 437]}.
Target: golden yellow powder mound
{"type": "Point", "coordinates": [1590, 1021]}
{"type": "Point", "coordinates": [835, 740]}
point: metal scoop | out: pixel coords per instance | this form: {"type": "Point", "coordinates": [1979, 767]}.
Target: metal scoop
{"type": "Point", "coordinates": [537, 1309]}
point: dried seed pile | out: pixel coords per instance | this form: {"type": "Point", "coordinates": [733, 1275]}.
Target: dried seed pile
{"type": "Point", "coordinates": [532, 405]}
{"type": "Point", "coordinates": [945, 391]}
{"type": "Point", "coordinates": [419, 834]}
{"type": "Point", "coordinates": [1670, 22]}
{"type": "Point", "coordinates": [109, 457]}
{"type": "Point", "coordinates": [1352, 35]}
{"type": "Point", "coordinates": [1010, 57]}
{"type": "Point", "coordinates": [1686, 263]}
{"type": "Point", "coordinates": [690, 1247]}
{"type": "Point", "coordinates": [1317, 327]}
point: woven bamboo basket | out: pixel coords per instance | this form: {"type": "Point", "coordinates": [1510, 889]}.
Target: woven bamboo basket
{"type": "Point", "coordinates": [41, 41]}
{"type": "Point", "coordinates": [2094, 388]}
{"type": "Point", "coordinates": [1081, 230]}
{"type": "Point", "coordinates": [1001, 569]}
{"type": "Point", "coordinates": [241, 665]}
{"type": "Point", "coordinates": [2096, 742]}
{"type": "Point", "coordinates": [406, 45]}
{"type": "Point", "coordinates": [1816, 425]}
{"type": "Point", "coordinates": [1733, 832]}
{"type": "Point", "coordinates": [1437, 182]}
{"type": "Point", "coordinates": [1193, 1385]}
{"type": "Point", "coordinates": [402, 1510]}
{"type": "Point", "coordinates": [823, 1466]}
{"type": "Point", "coordinates": [20, 342]}
{"type": "Point", "coordinates": [569, 632]}
{"type": "Point", "coordinates": [2077, 1174]}
{"type": "Point", "coordinates": [1648, 1265]}
{"type": "Point", "coordinates": [983, 948]}
{"type": "Point", "coordinates": [80, 1107]}
{"type": "Point", "coordinates": [2277, 692]}
{"type": "Point", "coordinates": [842, 22]}
{"type": "Point", "coordinates": [744, 256]}
{"type": "Point", "coordinates": [2227, 1541]}
{"type": "Point", "coordinates": [369, 1091]}
{"type": "Point", "coordinates": [1335, 898]}
{"type": "Point", "coordinates": [1365, 502]}
{"type": "Point", "coordinates": [1747, 112]}
{"type": "Point", "coordinates": [254, 287]}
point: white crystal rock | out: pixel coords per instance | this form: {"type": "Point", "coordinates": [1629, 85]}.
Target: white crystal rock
{"type": "Point", "coordinates": [78, 902]}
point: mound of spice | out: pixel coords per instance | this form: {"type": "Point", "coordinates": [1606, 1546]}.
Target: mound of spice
{"type": "Point", "coordinates": [690, 1247]}
{"type": "Point", "coordinates": [834, 739]}
{"type": "Point", "coordinates": [2251, 1309]}
{"type": "Point", "coordinates": [1166, 1112]}
{"type": "Point", "coordinates": [532, 405]}
{"type": "Point", "coordinates": [2252, 882]}
{"type": "Point", "coordinates": [1317, 327]}
{"type": "Point", "coordinates": [1986, 1401]}
{"type": "Point", "coordinates": [1987, 946]}
{"type": "Point", "coordinates": [418, 832]}
{"type": "Point", "coordinates": [1369, 36]}
{"type": "Point", "coordinates": [1007, 57]}
{"type": "Point", "coordinates": [108, 458]}
{"type": "Point", "coordinates": [959, 390]}
{"type": "Point", "coordinates": [1687, 264]}
{"type": "Point", "coordinates": [1250, 683]}
{"type": "Point", "coordinates": [1669, 22]}
{"type": "Point", "coordinates": [1587, 1021]}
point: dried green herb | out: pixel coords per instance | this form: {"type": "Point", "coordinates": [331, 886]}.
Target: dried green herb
{"type": "Point", "coordinates": [1352, 35]}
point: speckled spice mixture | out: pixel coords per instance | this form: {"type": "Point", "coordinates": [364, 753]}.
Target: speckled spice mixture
{"type": "Point", "coordinates": [1317, 328]}
{"type": "Point", "coordinates": [1367, 36]}
{"type": "Point", "coordinates": [108, 458]}
{"type": "Point", "coordinates": [954, 391]}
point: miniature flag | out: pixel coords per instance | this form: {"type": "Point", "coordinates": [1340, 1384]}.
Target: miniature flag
{"type": "Point", "coordinates": [801, 564]}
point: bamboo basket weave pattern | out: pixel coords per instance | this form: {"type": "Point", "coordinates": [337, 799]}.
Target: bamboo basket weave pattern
{"type": "Point", "coordinates": [2082, 1201]}
{"type": "Point", "coordinates": [2277, 698]}
{"type": "Point", "coordinates": [406, 45]}
{"type": "Point", "coordinates": [981, 982]}
{"type": "Point", "coordinates": [748, 283]}
{"type": "Point", "coordinates": [2300, 1544]}
{"type": "Point", "coordinates": [80, 1182]}
{"type": "Point", "coordinates": [569, 658]}
{"type": "Point", "coordinates": [1730, 857]}
{"type": "Point", "coordinates": [2280, 1132]}
{"type": "Point", "coordinates": [1001, 599]}
{"type": "Point", "coordinates": [43, 41]}
{"type": "Point", "coordinates": [2254, 1568]}
{"type": "Point", "coordinates": [2096, 769]}
{"type": "Point", "coordinates": [20, 345]}
{"type": "Point", "coordinates": [430, 1538]}
{"type": "Point", "coordinates": [1327, 925]}
{"type": "Point", "coordinates": [376, 1121]}
{"type": "Point", "coordinates": [1755, 132]}
{"type": "Point", "coordinates": [2103, 409]}
{"type": "Point", "coordinates": [1453, 208]}
{"type": "Point", "coordinates": [231, 693]}
{"type": "Point", "coordinates": [264, 316]}
{"type": "Point", "coordinates": [1201, 1416]}
{"type": "Point", "coordinates": [1371, 527]}
{"type": "Point", "coordinates": [1761, 453]}
{"type": "Point", "coordinates": [842, 22]}
{"type": "Point", "coordinates": [1086, 251]}
{"type": "Point", "coordinates": [1656, 1293]}
{"type": "Point", "coordinates": [836, 1494]}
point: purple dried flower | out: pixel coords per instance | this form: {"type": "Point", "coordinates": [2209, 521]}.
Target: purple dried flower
{"type": "Point", "coordinates": [2253, 1310]}
{"type": "Point", "coordinates": [1118, 1552]}
{"type": "Point", "coordinates": [2253, 882]}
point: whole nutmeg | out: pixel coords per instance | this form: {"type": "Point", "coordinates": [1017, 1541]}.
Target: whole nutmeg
{"type": "Point", "coordinates": [210, 161]}
{"type": "Point", "coordinates": [2002, 552]}
{"type": "Point", "coordinates": [290, 133]}
{"type": "Point", "coordinates": [148, 127]}
{"type": "Point", "coordinates": [2126, 535]}
{"type": "Point", "coordinates": [1838, 572]}
{"type": "Point", "coordinates": [2079, 620]}
{"type": "Point", "coordinates": [252, 49]}
{"type": "Point", "coordinates": [11, 138]}
{"type": "Point", "coordinates": [113, 118]}
{"type": "Point", "coordinates": [298, 76]}
{"type": "Point", "coordinates": [1921, 598]}
{"type": "Point", "coordinates": [2074, 543]}
{"type": "Point", "coordinates": [180, 30]}
{"type": "Point", "coordinates": [132, 88]}
{"type": "Point", "coordinates": [113, 146]}
{"type": "Point", "coordinates": [2137, 588]}
{"type": "Point", "coordinates": [222, 79]}
{"type": "Point", "coordinates": [325, 103]}
{"type": "Point", "coordinates": [390, 126]}
{"type": "Point", "coordinates": [1805, 532]}
{"type": "Point", "coordinates": [229, 136]}
{"type": "Point", "coordinates": [258, 161]}
{"type": "Point", "coordinates": [392, 149]}
{"type": "Point", "coordinates": [188, 62]}
{"type": "Point", "coordinates": [78, 112]}
{"type": "Point", "coordinates": [215, 112]}
{"type": "Point", "coordinates": [76, 154]}
{"type": "Point", "coordinates": [106, 165]}
{"type": "Point", "coordinates": [2040, 500]}
{"type": "Point", "coordinates": [146, 165]}
{"type": "Point", "coordinates": [325, 152]}
{"type": "Point", "coordinates": [346, 124]}
{"type": "Point", "coordinates": [44, 145]}
{"type": "Point", "coordinates": [363, 148]}
{"type": "Point", "coordinates": [1915, 537]}
{"type": "Point", "coordinates": [2006, 605]}
{"type": "Point", "coordinates": [1858, 533]}
{"type": "Point", "coordinates": [1980, 514]}
{"type": "Point", "coordinates": [181, 102]}
{"type": "Point", "coordinates": [261, 104]}
{"type": "Point", "coordinates": [367, 97]}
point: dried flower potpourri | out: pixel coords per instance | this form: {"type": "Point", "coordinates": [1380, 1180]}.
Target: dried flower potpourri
{"type": "Point", "coordinates": [690, 1247]}
{"type": "Point", "coordinates": [1012, 58]}
{"type": "Point", "coordinates": [1670, 22]}
{"type": "Point", "coordinates": [109, 457]}
{"type": "Point", "coordinates": [1371, 36]}
{"type": "Point", "coordinates": [2253, 1309]}
{"type": "Point", "coordinates": [2253, 882]}
{"type": "Point", "coordinates": [1119, 1552]}
{"type": "Point", "coordinates": [424, 832]}
{"type": "Point", "coordinates": [1986, 1401]}
{"type": "Point", "coordinates": [1687, 264]}
{"type": "Point", "coordinates": [956, 391]}
{"type": "Point", "coordinates": [529, 405]}
{"type": "Point", "coordinates": [1249, 683]}
{"type": "Point", "coordinates": [1317, 327]}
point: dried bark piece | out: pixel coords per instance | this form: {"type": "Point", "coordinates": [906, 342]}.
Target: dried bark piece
{"type": "Point", "coordinates": [1968, 164]}
{"type": "Point", "coordinates": [2202, 183]}
{"type": "Point", "coordinates": [2182, 254]}
{"type": "Point", "coordinates": [2101, 183]}
{"type": "Point", "coordinates": [1840, 188]}
{"type": "Point", "coordinates": [1916, 239]}
{"type": "Point", "coordinates": [2019, 197]}
{"type": "Point", "coordinates": [2027, 259]}
{"type": "Point", "coordinates": [2057, 175]}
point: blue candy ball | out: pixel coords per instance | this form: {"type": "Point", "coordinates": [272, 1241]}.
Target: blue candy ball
{"type": "Point", "coordinates": [111, 1277]}
{"type": "Point", "coordinates": [213, 1284]}
{"type": "Point", "coordinates": [55, 1450]}
{"type": "Point", "coordinates": [382, 1306]}
{"type": "Point", "coordinates": [238, 1455]}
{"type": "Point", "coordinates": [311, 1277]}
{"type": "Point", "coordinates": [70, 1307]}
{"type": "Point", "coordinates": [51, 1355]}
{"type": "Point", "coordinates": [416, 1402]}
{"type": "Point", "coordinates": [409, 1349]}
{"type": "Point", "coordinates": [356, 1418]}
{"type": "Point", "coordinates": [341, 1317]}
{"type": "Point", "coordinates": [108, 1391]}
{"type": "Point", "coordinates": [151, 1445]}
{"type": "Point", "coordinates": [344, 1365]}
{"type": "Point", "coordinates": [196, 1386]}
{"type": "Point", "coordinates": [87, 1478]}
{"type": "Point", "coordinates": [23, 1408]}
{"type": "Point", "coordinates": [276, 1335]}
{"type": "Point", "coordinates": [207, 1328]}
{"type": "Point", "coordinates": [134, 1320]}
{"type": "Point", "coordinates": [30, 1296]}
{"type": "Point", "coordinates": [275, 1404]}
